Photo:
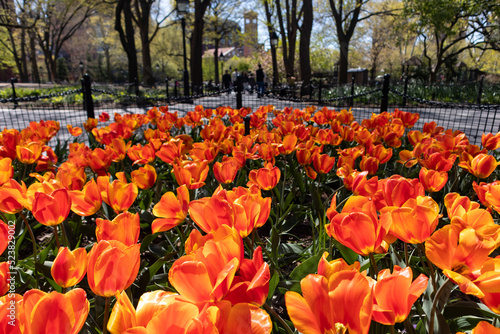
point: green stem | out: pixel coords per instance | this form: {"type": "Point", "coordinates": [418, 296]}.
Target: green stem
{"type": "Point", "coordinates": [434, 305]}
{"type": "Point", "coordinates": [64, 235]}
{"type": "Point", "coordinates": [56, 235]}
{"type": "Point", "coordinates": [406, 253]}
{"type": "Point", "coordinates": [270, 310]}
{"type": "Point", "coordinates": [391, 328]}
{"type": "Point", "coordinates": [107, 303]}
{"type": "Point", "coordinates": [374, 265]}
{"type": "Point", "coordinates": [34, 245]}
{"type": "Point", "coordinates": [421, 251]}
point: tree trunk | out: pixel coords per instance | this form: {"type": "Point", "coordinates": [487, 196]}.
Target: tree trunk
{"type": "Point", "coordinates": [216, 60]}
{"type": "Point", "coordinates": [343, 62]}
{"type": "Point", "coordinates": [24, 64]}
{"type": "Point", "coordinates": [197, 45]}
{"type": "Point", "coordinates": [274, 58]}
{"type": "Point", "coordinates": [127, 40]}
{"type": "Point", "coordinates": [143, 18]}
{"type": "Point", "coordinates": [147, 71]}
{"type": "Point", "coordinates": [305, 41]}
{"type": "Point", "coordinates": [33, 62]}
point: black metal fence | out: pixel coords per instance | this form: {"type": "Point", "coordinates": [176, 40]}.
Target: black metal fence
{"type": "Point", "coordinates": [471, 118]}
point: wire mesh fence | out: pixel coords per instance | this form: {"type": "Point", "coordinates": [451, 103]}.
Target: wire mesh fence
{"type": "Point", "coordinates": [74, 106]}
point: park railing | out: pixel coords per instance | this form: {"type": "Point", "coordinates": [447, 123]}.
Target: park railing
{"type": "Point", "coordinates": [74, 106]}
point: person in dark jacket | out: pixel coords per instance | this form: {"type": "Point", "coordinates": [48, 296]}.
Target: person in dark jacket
{"type": "Point", "coordinates": [226, 80]}
{"type": "Point", "coordinates": [260, 77]}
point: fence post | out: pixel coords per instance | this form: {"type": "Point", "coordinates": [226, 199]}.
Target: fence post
{"type": "Point", "coordinates": [384, 102]}
{"type": "Point", "coordinates": [246, 119]}
{"type": "Point", "coordinates": [88, 103]}
{"type": "Point", "coordinates": [405, 91]}
{"type": "Point", "coordinates": [320, 91]}
{"type": "Point", "coordinates": [175, 88]}
{"type": "Point", "coordinates": [239, 100]}
{"type": "Point", "coordinates": [14, 96]}
{"type": "Point", "coordinates": [166, 87]}
{"type": "Point", "coordinates": [480, 90]}
{"type": "Point", "coordinates": [351, 100]}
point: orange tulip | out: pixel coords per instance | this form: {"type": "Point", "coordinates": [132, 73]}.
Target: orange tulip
{"type": "Point", "coordinates": [433, 181]}
{"type": "Point", "coordinates": [12, 313]}
{"type": "Point", "coordinates": [358, 226]}
{"type": "Point", "coordinates": [358, 183]}
{"type": "Point", "coordinates": [4, 277]}
{"type": "Point", "coordinates": [252, 283]}
{"type": "Point", "coordinates": [6, 170]}
{"type": "Point", "coordinates": [48, 313]}
{"type": "Point", "coordinates": [144, 177]}
{"type": "Point", "coordinates": [142, 154]}
{"type": "Point", "coordinates": [329, 268]}
{"type": "Point", "coordinates": [205, 274]}
{"type": "Point", "coordinates": [191, 173]}
{"type": "Point", "coordinates": [99, 160]}
{"type": "Point", "coordinates": [51, 209]}
{"type": "Point", "coordinates": [490, 141]}
{"type": "Point", "coordinates": [120, 195]}
{"type": "Point", "coordinates": [125, 318]}
{"type": "Point", "coordinates": [389, 307]}
{"type": "Point", "coordinates": [69, 267]}
{"type": "Point", "coordinates": [87, 201]}
{"type": "Point", "coordinates": [71, 175]}
{"type": "Point", "coordinates": [119, 149]}
{"type": "Point", "coordinates": [171, 210]}
{"type": "Point", "coordinates": [438, 161]}
{"type": "Point", "coordinates": [112, 266]}
{"type": "Point", "coordinates": [29, 153]}
{"type": "Point", "coordinates": [396, 190]}
{"type": "Point", "coordinates": [265, 178]}
{"type": "Point", "coordinates": [323, 163]}
{"type": "Point", "coordinates": [460, 250]}
{"type": "Point", "coordinates": [381, 153]}
{"type": "Point", "coordinates": [481, 221]}
{"type": "Point", "coordinates": [409, 119]}
{"type": "Point", "coordinates": [369, 164]}
{"type": "Point", "coordinates": [457, 205]}
{"type": "Point", "coordinates": [90, 124]}
{"type": "Point", "coordinates": [171, 151]}
{"type": "Point", "coordinates": [341, 304]}
{"type": "Point", "coordinates": [484, 327]}
{"type": "Point", "coordinates": [13, 196]}
{"type": "Point", "coordinates": [415, 220]}
{"type": "Point", "coordinates": [74, 131]}
{"type": "Point", "coordinates": [124, 228]}
{"type": "Point", "coordinates": [481, 166]}
{"type": "Point", "coordinates": [289, 144]}
{"type": "Point", "coordinates": [239, 208]}
{"type": "Point", "coordinates": [488, 194]}
{"type": "Point", "coordinates": [225, 171]}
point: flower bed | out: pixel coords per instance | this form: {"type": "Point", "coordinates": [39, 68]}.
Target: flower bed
{"type": "Point", "coordinates": [218, 222]}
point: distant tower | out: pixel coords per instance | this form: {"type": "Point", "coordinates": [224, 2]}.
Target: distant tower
{"type": "Point", "coordinates": [250, 38]}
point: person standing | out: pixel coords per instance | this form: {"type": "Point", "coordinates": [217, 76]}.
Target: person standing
{"type": "Point", "coordinates": [260, 77]}
{"type": "Point", "coordinates": [226, 80]}
{"type": "Point", "coordinates": [234, 78]}
{"type": "Point", "coordinates": [251, 82]}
